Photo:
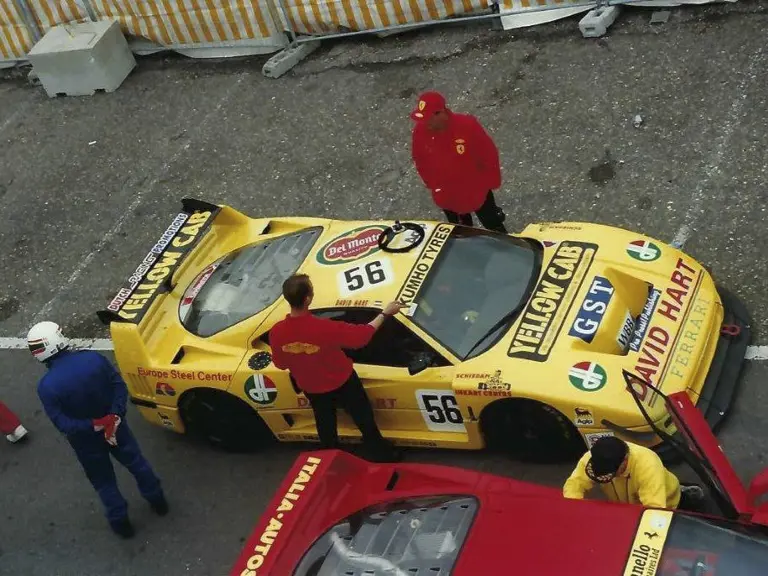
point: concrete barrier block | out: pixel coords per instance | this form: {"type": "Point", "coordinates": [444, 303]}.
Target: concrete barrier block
{"type": "Point", "coordinates": [79, 59]}
{"type": "Point", "coordinates": [595, 23]}
{"type": "Point", "coordinates": [286, 59]}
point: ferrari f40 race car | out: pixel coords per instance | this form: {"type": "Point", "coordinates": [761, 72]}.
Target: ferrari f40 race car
{"type": "Point", "coordinates": [510, 341]}
{"type": "Point", "coordinates": [335, 514]}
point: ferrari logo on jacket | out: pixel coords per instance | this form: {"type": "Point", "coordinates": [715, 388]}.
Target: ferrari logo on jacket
{"type": "Point", "coordinates": [300, 348]}
{"type": "Point", "coordinates": [460, 146]}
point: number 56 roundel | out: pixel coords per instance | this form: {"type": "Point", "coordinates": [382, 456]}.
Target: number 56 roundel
{"type": "Point", "coordinates": [440, 410]}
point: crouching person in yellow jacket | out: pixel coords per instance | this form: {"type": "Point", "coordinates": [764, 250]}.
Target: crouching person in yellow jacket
{"type": "Point", "coordinates": [631, 474]}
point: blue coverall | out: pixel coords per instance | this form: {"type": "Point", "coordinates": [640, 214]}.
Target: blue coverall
{"type": "Point", "coordinates": [81, 386]}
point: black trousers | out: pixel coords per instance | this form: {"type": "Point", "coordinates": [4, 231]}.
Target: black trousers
{"type": "Point", "coordinates": [490, 215]}
{"type": "Point", "coordinates": [352, 398]}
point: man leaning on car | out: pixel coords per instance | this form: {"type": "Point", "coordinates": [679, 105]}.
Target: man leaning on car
{"type": "Point", "coordinates": [312, 349]}
{"type": "Point", "coordinates": [630, 474]}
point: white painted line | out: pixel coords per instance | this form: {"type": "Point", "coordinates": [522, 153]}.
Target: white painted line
{"type": "Point", "coordinates": [128, 212]}
{"type": "Point", "coordinates": [757, 353]}
{"type": "Point", "coordinates": [721, 145]}
{"type": "Point", "coordinates": [80, 343]}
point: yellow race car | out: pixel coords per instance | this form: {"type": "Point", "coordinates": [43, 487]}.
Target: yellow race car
{"type": "Point", "coordinates": [518, 342]}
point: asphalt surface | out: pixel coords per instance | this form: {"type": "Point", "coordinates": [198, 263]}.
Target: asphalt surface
{"type": "Point", "coordinates": [88, 184]}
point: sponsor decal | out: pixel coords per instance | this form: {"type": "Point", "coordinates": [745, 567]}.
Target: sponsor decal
{"type": "Point", "coordinates": [175, 374]}
{"type": "Point", "coordinates": [643, 250]}
{"type": "Point", "coordinates": [559, 226]}
{"type": "Point", "coordinates": [378, 403]}
{"type": "Point", "coordinates": [300, 348]}
{"type": "Point", "coordinates": [423, 264]}
{"type": "Point", "coordinates": [416, 443]}
{"type": "Point", "coordinates": [165, 420]}
{"type": "Point", "coordinates": [649, 543]}
{"type": "Point", "coordinates": [641, 326]}
{"type": "Point", "coordinates": [164, 389]}
{"type": "Point", "coordinates": [592, 309]}
{"type": "Point", "coordinates": [348, 302]}
{"type": "Point", "coordinates": [471, 376]}
{"type": "Point", "coordinates": [545, 312]}
{"type": "Point", "coordinates": [495, 383]}
{"type": "Point", "coordinates": [658, 340]}
{"type": "Point", "coordinates": [367, 276]}
{"type": "Point", "coordinates": [351, 245]}
{"type": "Point", "coordinates": [278, 520]}
{"type": "Point", "coordinates": [626, 331]}
{"type": "Point", "coordinates": [483, 393]}
{"type": "Point", "coordinates": [690, 336]}
{"type": "Point", "coordinates": [595, 436]}
{"type": "Point", "coordinates": [134, 298]}
{"type": "Point", "coordinates": [587, 376]}
{"type": "Point", "coordinates": [259, 361]}
{"type": "Point", "coordinates": [583, 417]}
{"type": "Point", "coordinates": [260, 389]}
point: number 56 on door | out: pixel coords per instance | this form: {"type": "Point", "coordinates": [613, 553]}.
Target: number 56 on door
{"type": "Point", "coordinates": [440, 410]}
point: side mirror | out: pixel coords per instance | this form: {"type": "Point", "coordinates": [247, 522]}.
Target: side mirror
{"type": "Point", "coordinates": [419, 363]}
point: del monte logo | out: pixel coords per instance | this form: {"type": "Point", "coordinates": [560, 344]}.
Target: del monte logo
{"type": "Point", "coordinates": [351, 245]}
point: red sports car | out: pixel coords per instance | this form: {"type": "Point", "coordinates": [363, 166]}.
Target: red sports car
{"type": "Point", "coordinates": [337, 515]}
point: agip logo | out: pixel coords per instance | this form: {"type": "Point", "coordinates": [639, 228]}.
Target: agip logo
{"type": "Point", "coordinates": [352, 245]}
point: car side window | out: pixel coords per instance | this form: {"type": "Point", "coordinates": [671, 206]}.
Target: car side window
{"type": "Point", "coordinates": [393, 344]}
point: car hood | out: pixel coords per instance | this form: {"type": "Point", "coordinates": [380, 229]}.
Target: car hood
{"type": "Point", "coordinates": [606, 300]}
{"type": "Point", "coordinates": [519, 528]}
{"type": "Point", "coordinates": [532, 536]}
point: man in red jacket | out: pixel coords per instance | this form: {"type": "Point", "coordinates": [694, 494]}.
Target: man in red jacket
{"type": "Point", "coordinates": [312, 349]}
{"type": "Point", "coordinates": [458, 162]}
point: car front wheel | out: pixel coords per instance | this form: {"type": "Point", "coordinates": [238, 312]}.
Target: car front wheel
{"type": "Point", "coordinates": [224, 421]}
{"type": "Point", "coordinates": [531, 431]}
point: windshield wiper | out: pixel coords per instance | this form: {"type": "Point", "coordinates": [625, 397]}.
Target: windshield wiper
{"type": "Point", "coordinates": [504, 319]}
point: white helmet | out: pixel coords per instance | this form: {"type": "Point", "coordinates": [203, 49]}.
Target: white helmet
{"type": "Point", "coordinates": [46, 340]}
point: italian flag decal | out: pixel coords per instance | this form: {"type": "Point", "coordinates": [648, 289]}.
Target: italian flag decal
{"type": "Point", "coordinates": [587, 376]}
{"type": "Point", "coordinates": [643, 250]}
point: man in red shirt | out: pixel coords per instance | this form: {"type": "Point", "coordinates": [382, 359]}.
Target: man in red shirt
{"type": "Point", "coordinates": [458, 162]}
{"type": "Point", "coordinates": [312, 349]}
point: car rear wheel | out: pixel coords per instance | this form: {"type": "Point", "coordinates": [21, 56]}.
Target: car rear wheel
{"type": "Point", "coordinates": [224, 421]}
{"type": "Point", "coordinates": [530, 431]}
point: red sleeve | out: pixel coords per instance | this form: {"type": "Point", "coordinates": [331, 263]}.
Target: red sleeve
{"type": "Point", "coordinates": [346, 335]}
{"type": "Point", "coordinates": [421, 160]}
{"type": "Point", "coordinates": [487, 156]}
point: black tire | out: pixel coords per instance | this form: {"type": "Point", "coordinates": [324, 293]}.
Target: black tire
{"type": "Point", "coordinates": [530, 431]}
{"type": "Point", "coordinates": [226, 422]}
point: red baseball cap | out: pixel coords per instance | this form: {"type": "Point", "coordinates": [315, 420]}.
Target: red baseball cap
{"type": "Point", "coordinates": [429, 103]}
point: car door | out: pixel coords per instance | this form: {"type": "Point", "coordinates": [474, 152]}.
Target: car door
{"type": "Point", "coordinates": [406, 379]}
{"type": "Point", "coordinates": [698, 446]}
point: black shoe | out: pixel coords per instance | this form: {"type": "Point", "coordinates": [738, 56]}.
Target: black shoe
{"type": "Point", "coordinates": [123, 528]}
{"type": "Point", "coordinates": [160, 506]}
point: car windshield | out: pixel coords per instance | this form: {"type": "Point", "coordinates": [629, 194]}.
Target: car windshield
{"type": "Point", "coordinates": [477, 280]}
{"type": "Point", "coordinates": [414, 536]}
{"type": "Point", "coordinates": [703, 546]}
{"type": "Point", "coordinates": [243, 282]}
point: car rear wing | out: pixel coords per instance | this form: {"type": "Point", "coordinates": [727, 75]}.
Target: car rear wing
{"type": "Point", "coordinates": [168, 258]}
{"type": "Point", "coordinates": [307, 488]}
{"type": "Point", "coordinates": [700, 449]}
